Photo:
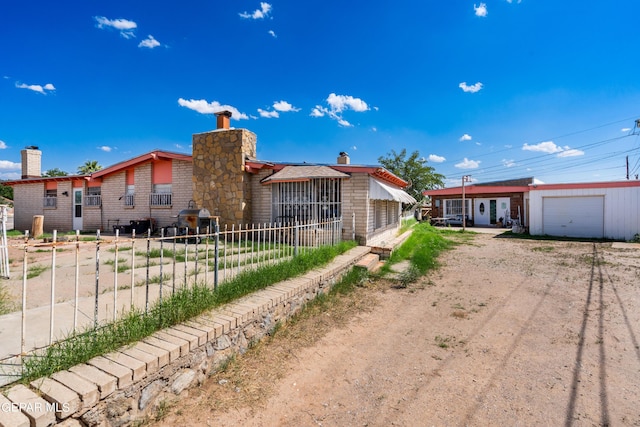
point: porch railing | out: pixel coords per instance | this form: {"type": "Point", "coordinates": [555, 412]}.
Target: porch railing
{"type": "Point", "coordinates": [105, 279]}
{"type": "Point", "coordinates": [160, 199]}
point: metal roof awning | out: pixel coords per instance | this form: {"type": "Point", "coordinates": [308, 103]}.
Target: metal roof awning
{"type": "Point", "coordinates": [304, 173]}
{"type": "Point", "coordinates": [381, 191]}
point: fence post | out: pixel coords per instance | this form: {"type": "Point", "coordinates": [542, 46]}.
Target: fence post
{"type": "Point", "coordinates": [133, 266]}
{"type": "Point", "coordinates": [97, 290]}
{"type": "Point", "coordinates": [115, 277]}
{"type": "Point", "coordinates": [161, 262]}
{"type": "Point", "coordinates": [24, 294]}
{"type": "Point", "coordinates": [216, 260]}
{"type": "Point", "coordinates": [295, 238]}
{"type": "Point", "coordinates": [146, 295]}
{"type": "Point", "coordinates": [76, 286]}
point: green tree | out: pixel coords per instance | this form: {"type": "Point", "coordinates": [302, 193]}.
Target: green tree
{"type": "Point", "coordinates": [414, 170]}
{"type": "Point", "coordinates": [89, 167]}
{"type": "Point", "coordinates": [6, 191]}
{"type": "Point", "coordinates": [54, 172]}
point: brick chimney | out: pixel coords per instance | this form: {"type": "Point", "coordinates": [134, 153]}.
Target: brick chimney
{"type": "Point", "coordinates": [31, 162]}
{"type": "Point", "coordinates": [343, 159]}
{"type": "Point", "coordinates": [223, 119]}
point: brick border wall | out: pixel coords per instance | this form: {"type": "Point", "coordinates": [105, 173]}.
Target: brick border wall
{"type": "Point", "coordinates": [122, 387]}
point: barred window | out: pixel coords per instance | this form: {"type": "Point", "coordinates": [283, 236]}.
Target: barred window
{"type": "Point", "coordinates": [313, 200]}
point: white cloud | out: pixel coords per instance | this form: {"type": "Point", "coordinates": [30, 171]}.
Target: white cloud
{"type": "Point", "coordinates": [544, 147]}
{"type": "Point", "coordinates": [481, 10]}
{"type": "Point", "coordinates": [6, 165]}
{"type": "Point", "coordinates": [338, 104]}
{"type": "Point", "coordinates": [36, 88]}
{"type": "Point", "coordinates": [12, 176]}
{"type": "Point", "coordinates": [478, 143]}
{"type": "Point", "coordinates": [468, 164]}
{"type": "Point", "coordinates": [125, 26]}
{"type": "Point", "coordinates": [261, 13]}
{"type": "Point", "coordinates": [273, 34]}
{"type": "Point", "coordinates": [465, 137]}
{"type": "Point", "coordinates": [3, 145]}
{"type": "Point", "coordinates": [203, 107]}
{"type": "Point", "coordinates": [511, 1]}
{"type": "Point", "coordinates": [150, 42]}
{"type": "Point", "coordinates": [470, 88]}
{"type": "Point", "coordinates": [436, 159]}
{"type": "Point", "coordinates": [508, 146]}
{"type": "Point", "coordinates": [105, 148]}
{"type": "Point", "coordinates": [268, 114]}
{"type": "Point", "coordinates": [284, 107]}
{"type": "Point", "coordinates": [625, 129]}
{"type": "Point", "coordinates": [374, 129]}
{"type": "Point", "coordinates": [278, 106]}
{"type": "Point", "coordinates": [570, 152]}
{"type": "Point", "coordinates": [551, 148]}
{"type": "Point", "coordinates": [508, 163]}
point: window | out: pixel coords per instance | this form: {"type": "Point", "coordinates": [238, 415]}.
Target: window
{"type": "Point", "coordinates": [161, 195]}
{"type": "Point", "coordinates": [51, 198]}
{"type": "Point", "coordinates": [129, 195]}
{"type": "Point", "coordinates": [93, 197]}
{"type": "Point", "coordinates": [313, 200]}
{"type": "Point", "coordinates": [453, 207]}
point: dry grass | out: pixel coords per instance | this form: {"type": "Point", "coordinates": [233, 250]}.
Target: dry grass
{"type": "Point", "coordinates": [247, 380]}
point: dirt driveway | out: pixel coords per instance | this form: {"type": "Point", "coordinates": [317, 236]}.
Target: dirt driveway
{"type": "Point", "coordinates": [506, 332]}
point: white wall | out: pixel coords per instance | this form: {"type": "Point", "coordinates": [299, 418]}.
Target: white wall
{"type": "Point", "coordinates": [621, 209]}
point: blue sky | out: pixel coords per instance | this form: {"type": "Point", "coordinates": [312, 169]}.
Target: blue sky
{"type": "Point", "coordinates": [496, 90]}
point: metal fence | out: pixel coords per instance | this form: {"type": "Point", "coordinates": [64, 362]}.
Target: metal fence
{"type": "Point", "coordinates": [72, 284]}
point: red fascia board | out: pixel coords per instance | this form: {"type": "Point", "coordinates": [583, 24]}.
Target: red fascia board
{"type": "Point", "coordinates": [585, 185]}
{"type": "Point", "coordinates": [45, 179]}
{"type": "Point", "coordinates": [477, 189]}
{"type": "Point", "coordinates": [164, 155]}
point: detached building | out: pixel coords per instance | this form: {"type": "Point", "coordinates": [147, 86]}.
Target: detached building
{"type": "Point", "coordinates": [609, 210]}
{"type": "Point", "coordinates": [223, 176]}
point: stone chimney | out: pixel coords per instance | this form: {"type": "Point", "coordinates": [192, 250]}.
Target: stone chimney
{"type": "Point", "coordinates": [343, 159]}
{"type": "Point", "coordinates": [220, 183]}
{"type": "Point", "coordinates": [223, 119]}
{"type": "Point", "coordinates": [31, 162]}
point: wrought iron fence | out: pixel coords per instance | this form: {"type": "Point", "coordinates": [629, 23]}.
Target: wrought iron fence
{"type": "Point", "coordinates": [75, 283]}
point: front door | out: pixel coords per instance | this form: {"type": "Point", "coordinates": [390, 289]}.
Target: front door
{"type": "Point", "coordinates": [492, 211]}
{"type": "Point", "coordinates": [77, 208]}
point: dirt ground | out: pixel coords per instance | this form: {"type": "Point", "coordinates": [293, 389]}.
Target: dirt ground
{"type": "Point", "coordinates": [505, 332]}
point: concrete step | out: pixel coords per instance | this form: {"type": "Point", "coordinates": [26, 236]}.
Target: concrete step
{"type": "Point", "coordinates": [370, 261]}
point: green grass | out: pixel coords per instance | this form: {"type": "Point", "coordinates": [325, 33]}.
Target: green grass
{"type": "Point", "coordinates": [185, 304]}
{"type": "Point", "coordinates": [35, 271]}
{"type": "Point", "coordinates": [422, 249]}
{"type": "Point", "coordinates": [6, 305]}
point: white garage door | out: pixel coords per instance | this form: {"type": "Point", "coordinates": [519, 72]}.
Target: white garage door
{"type": "Point", "coordinates": [573, 216]}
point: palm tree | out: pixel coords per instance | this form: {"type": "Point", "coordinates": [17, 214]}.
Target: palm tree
{"type": "Point", "coordinates": [89, 167]}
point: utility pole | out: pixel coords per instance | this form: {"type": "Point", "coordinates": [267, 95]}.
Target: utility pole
{"type": "Point", "coordinates": [465, 178]}
{"type": "Point", "coordinates": [627, 168]}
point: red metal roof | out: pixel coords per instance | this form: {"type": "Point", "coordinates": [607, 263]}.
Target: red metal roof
{"type": "Point", "coordinates": [478, 189]}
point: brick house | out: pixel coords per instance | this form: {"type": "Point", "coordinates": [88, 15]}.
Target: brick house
{"type": "Point", "coordinates": [154, 185]}
{"type": "Point", "coordinates": [485, 203]}
{"type": "Point", "coordinates": [223, 176]}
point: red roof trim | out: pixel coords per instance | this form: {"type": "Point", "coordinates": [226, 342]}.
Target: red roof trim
{"type": "Point", "coordinates": [253, 166]}
{"type": "Point", "coordinates": [478, 189]}
{"type": "Point", "coordinates": [153, 155]}
{"type": "Point", "coordinates": [585, 185]}
{"type": "Point", "coordinates": [45, 179]}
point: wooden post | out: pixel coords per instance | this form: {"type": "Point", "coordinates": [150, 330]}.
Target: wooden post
{"type": "Point", "coordinates": [37, 226]}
